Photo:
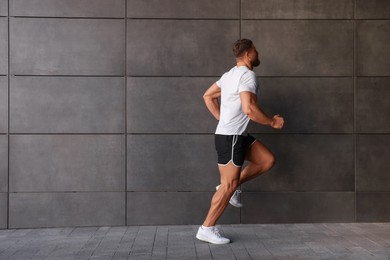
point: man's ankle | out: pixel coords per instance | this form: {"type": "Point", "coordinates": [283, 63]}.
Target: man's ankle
{"type": "Point", "coordinates": [204, 227]}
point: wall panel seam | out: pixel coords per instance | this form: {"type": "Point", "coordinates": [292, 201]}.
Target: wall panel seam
{"type": "Point", "coordinates": [125, 72]}
{"type": "Point", "coordinates": [8, 114]}
{"type": "Point", "coordinates": [354, 107]}
{"type": "Point", "coordinates": [191, 76]}
{"type": "Point", "coordinates": [66, 17]}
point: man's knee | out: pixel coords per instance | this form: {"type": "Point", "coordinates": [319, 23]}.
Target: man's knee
{"type": "Point", "coordinates": [268, 162]}
{"type": "Point", "coordinates": [271, 161]}
{"type": "Point", "coordinates": [230, 186]}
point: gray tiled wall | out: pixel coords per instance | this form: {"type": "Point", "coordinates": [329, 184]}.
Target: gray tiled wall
{"type": "Point", "coordinates": [3, 104]}
{"type": "Point", "coordinates": [3, 45]}
{"type": "Point", "coordinates": [102, 120]}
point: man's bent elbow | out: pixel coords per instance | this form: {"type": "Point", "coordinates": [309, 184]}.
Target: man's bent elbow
{"type": "Point", "coordinates": [206, 97]}
{"type": "Point", "coordinates": [247, 111]}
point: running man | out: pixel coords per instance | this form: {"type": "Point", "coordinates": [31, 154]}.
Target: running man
{"type": "Point", "coordinates": [237, 89]}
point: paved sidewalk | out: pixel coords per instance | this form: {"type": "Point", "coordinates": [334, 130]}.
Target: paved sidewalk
{"type": "Point", "coordinates": [265, 241]}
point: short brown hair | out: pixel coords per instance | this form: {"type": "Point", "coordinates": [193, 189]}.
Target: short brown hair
{"type": "Point", "coordinates": [241, 46]}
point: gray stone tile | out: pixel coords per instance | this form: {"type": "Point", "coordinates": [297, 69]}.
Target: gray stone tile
{"type": "Point", "coordinates": [3, 45]}
{"type": "Point", "coordinates": [3, 104]}
{"type": "Point", "coordinates": [67, 46]}
{"type": "Point", "coordinates": [180, 163]}
{"type": "Point", "coordinates": [167, 208]}
{"type": "Point", "coordinates": [200, 9]}
{"type": "Point", "coordinates": [203, 250]}
{"type": "Point", "coordinates": [68, 105]}
{"type": "Point", "coordinates": [175, 105]}
{"type": "Point", "coordinates": [222, 252]}
{"type": "Point", "coordinates": [298, 9]}
{"type": "Point", "coordinates": [308, 105]}
{"type": "Point", "coordinates": [102, 257]}
{"type": "Point", "coordinates": [372, 54]}
{"type": "Point", "coordinates": [67, 163]}
{"type": "Point", "coordinates": [373, 9]}
{"type": "Point", "coordinates": [239, 251]}
{"type": "Point", "coordinates": [3, 163]}
{"type": "Point", "coordinates": [3, 210]}
{"type": "Point", "coordinates": [372, 106]}
{"type": "Point", "coordinates": [372, 207]}
{"type": "Point", "coordinates": [70, 8]}
{"type": "Point", "coordinates": [372, 163]}
{"type": "Point", "coordinates": [174, 47]}
{"type": "Point", "coordinates": [307, 163]}
{"type": "Point", "coordinates": [181, 251]}
{"type": "Point", "coordinates": [66, 209]}
{"type": "Point", "coordinates": [287, 48]}
{"type": "Point", "coordinates": [290, 207]}
{"type": "Point", "coordinates": [120, 255]}
{"type": "Point", "coordinates": [3, 7]}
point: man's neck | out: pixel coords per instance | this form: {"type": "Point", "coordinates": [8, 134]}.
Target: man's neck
{"type": "Point", "coordinates": [244, 63]}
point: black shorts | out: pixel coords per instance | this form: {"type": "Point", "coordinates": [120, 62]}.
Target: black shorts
{"type": "Point", "coordinates": [232, 148]}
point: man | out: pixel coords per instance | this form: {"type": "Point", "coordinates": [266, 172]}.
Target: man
{"type": "Point", "coordinates": [237, 89]}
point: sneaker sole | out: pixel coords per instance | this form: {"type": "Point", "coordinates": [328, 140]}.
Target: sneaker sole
{"type": "Point", "coordinates": [234, 205]}
{"type": "Point", "coordinates": [205, 239]}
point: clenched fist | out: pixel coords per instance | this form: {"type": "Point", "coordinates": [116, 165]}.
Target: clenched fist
{"type": "Point", "coordinates": [277, 122]}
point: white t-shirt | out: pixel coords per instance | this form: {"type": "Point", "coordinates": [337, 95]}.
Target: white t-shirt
{"type": "Point", "coordinates": [232, 120]}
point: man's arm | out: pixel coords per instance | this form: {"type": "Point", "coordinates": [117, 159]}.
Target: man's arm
{"type": "Point", "coordinates": [210, 97]}
{"type": "Point", "coordinates": [255, 113]}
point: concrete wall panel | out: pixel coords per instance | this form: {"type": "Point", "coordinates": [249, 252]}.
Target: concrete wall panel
{"type": "Point", "coordinates": [167, 208]}
{"type": "Point", "coordinates": [298, 207]}
{"type": "Point", "coordinates": [40, 163]}
{"type": "Point", "coordinates": [67, 46]}
{"type": "Point", "coordinates": [180, 47]}
{"type": "Point", "coordinates": [3, 7]}
{"type": "Point", "coordinates": [68, 105]}
{"type": "Point", "coordinates": [308, 105]}
{"type": "Point", "coordinates": [168, 105]}
{"type": "Point", "coordinates": [302, 47]}
{"type": "Point", "coordinates": [171, 163]}
{"type": "Point", "coordinates": [200, 9]}
{"type": "Point", "coordinates": [3, 104]}
{"type": "Point", "coordinates": [372, 163]}
{"type": "Point", "coordinates": [372, 207]}
{"type": "Point", "coordinates": [3, 45]}
{"type": "Point", "coordinates": [30, 210]}
{"type": "Point", "coordinates": [3, 163]}
{"type": "Point", "coordinates": [3, 210]}
{"type": "Point", "coordinates": [372, 48]}
{"type": "Point", "coordinates": [372, 9]}
{"type": "Point", "coordinates": [307, 163]}
{"type": "Point", "coordinates": [297, 9]}
{"type": "Point", "coordinates": [68, 8]}
{"type": "Point", "coordinates": [372, 105]}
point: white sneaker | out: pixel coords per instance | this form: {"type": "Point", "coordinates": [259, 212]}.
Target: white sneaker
{"type": "Point", "coordinates": [211, 235]}
{"type": "Point", "coordinates": [234, 201]}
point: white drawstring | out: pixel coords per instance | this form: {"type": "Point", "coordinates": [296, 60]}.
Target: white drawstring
{"type": "Point", "coordinates": [234, 141]}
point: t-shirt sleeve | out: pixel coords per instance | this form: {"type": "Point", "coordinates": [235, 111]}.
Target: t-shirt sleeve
{"type": "Point", "coordinates": [218, 82]}
{"type": "Point", "coordinates": [248, 82]}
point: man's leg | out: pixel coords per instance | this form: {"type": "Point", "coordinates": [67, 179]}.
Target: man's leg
{"type": "Point", "coordinates": [230, 176]}
{"type": "Point", "coordinates": [261, 160]}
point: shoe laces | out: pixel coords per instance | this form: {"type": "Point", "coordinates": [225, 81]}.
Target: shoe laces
{"type": "Point", "coordinates": [216, 232]}
{"type": "Point", "coordinates": [236, 193]}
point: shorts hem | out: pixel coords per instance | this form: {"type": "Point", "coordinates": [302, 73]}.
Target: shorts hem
{"type": "Point", "coordinates": [220, 164]}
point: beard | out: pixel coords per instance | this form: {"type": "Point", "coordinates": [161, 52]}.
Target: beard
{"type": "Point", "coordinates": [256, 62]}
